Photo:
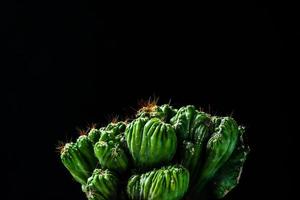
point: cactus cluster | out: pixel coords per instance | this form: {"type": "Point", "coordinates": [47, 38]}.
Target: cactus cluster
{"type": "Point", "coordinates": [163, 153]}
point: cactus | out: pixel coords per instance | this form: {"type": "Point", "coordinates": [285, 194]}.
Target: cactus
{"type": "Point", "coordinates": [150, 141]}
{"type": "Point", "coordinates": [109, 149]}
{"type": "Point", "coordinates": [102, 185]}
{"type": "Point", "coordinates": [79, 159]}
{"type": "Point", "coordinates": [219, 148]}
{"type": "Point", "coordinates": [192, 128]}
{"type": "Point", "coordinates": [229, 174]}
{"type": "Point", "coordinates": [94, 135]}
{"type": "Point", "coordinates": [164, 153]}
{"type": "Point", "coordinates": [168, 183]}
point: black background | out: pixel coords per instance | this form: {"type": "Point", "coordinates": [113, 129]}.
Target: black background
{"type": "Point", "coordinates": [72, 63]}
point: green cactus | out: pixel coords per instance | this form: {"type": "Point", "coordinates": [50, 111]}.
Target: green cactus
{"type": "Point", "coordinates": [219, 148]}
{"type": "Point", "coordinates": [228, 176]}
{"type": "Point", "coordinates": [163, 153]}
{"type": "Point", "coordinates": [79, 159]}
{"type": "Point", "coordinates": [150, 141]}
{"type": "Point", "coordinates": [109, 149]}
{"type": "Point", "coordinates": [164, 112]}
{"type": "Point", "coordinates": [94, 135]}
{"type": "Point", "coordinates": [192, 128]}
{"type": "Point", "coordinates": [168, 183]}
{"type": "Point", "coordinates": [102, 185]}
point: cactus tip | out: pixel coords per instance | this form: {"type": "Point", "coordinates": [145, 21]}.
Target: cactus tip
{"type": "Point", "coordinates": [82, 131]}
{"type": "Point", "coordinates": [60, 147]}
{"type": "Point", "coordinates": [148, 106]}
{"type": "Point", "coordinates": [115, 119]}
{"type": "Point", "coordinates": [91, 126]}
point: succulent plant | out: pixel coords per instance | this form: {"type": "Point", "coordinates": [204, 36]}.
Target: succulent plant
{"type": "Point", "coordinates": [169, 183]}
{"type": "Point", "coordinates": [102, 185]}
{"type": "Point", "coordinates": [109, 149]}
{"type": "Point", "coordinates": [228, 176]}
{"type": "Point", "coordinates": [163, 153]}
{"type": "Point", "coordinates": [219, 148]}
{"type": "Point", "coordinates": [79, 159]}
{"type": "Point", "coordinates": [193, 129]}
{"type": "Point", "coordinates": [150, 141]}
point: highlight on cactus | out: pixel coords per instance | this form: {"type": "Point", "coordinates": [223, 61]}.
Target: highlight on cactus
{"type": "Point", "coordinates": [163, 153]}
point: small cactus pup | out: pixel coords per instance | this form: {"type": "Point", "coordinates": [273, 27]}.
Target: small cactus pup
{"type": "Point", "coordinates": [110, 148]}
{"type": "Point", "coordinates": [166, 183]}
{"type": "Point", "coordinates": [193, 129]}
{"type": "Point", "coordinates": [151, 109]}
{"type": "Point", "coordinates": [94, 135]}
{"type": "Point", "coordinates": [228, 176]}
{"type": "Point", "coordinates": [219, 148]}
{"type": "Point", "coordinates": [102, 185]}
{"type": "Point", "coordinates": [79, 159]}
{"type": "Point", "coordinates": [151, 142]}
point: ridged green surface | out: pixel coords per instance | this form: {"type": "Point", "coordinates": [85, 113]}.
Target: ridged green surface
{"type": "Point", "coordinates": [163, 153]}
{"type": "Point", "coordinates": [229, 174]}
{"type": "Point", "coordinates": [94, 135]}
{"type": "Point", "coordinates": [219, 148]}
{"type": "Point", "coordinates": [150, 141]}
{"type": "Point", "coordinates": [79, 159]}
{"type": "Point", "coordinates": [109, 149]}
{"type": "Point", "coordinates": [102, 185]}
{"type": "Point", "coordinates": [168, 183]}
{"type": "Point", "coordinates": [192, 128]}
